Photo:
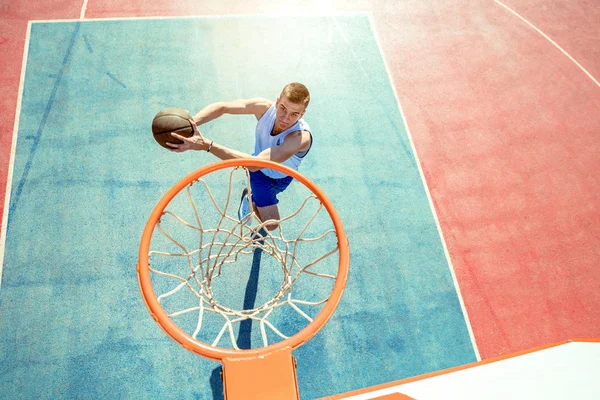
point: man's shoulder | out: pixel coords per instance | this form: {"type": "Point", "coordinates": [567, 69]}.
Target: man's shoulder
{"type": "Point", "coordinates": [262, 101]}
{"type": "Point", "coordinates": [301, 138]}
{"type": "Point", "coordinates": [259, 106]}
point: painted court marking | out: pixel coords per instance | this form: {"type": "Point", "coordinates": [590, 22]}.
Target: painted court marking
{"type": "Point", "coordinates": [340, 31]}
{"type": "Point", "coordinates": [214, 16]}
{"type": "Point", "coordinates": [83, 9]}
{"type": "Point", "coordinates": [37, 137]}
{"type": "Point", "coordinates": [550, 40]}
{"type": "Point", "coordinates": [13, 151]}
{"type": "Point", "coordinates": [428, 193]}
{"type": "Point", "coordinates": [422, 175]}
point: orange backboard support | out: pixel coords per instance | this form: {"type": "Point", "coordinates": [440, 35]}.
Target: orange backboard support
{"type": "Point", "coordinates": [272, 376]}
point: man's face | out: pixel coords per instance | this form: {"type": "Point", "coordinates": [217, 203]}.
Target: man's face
{"type": "Point", "coordinates": [287, 114]}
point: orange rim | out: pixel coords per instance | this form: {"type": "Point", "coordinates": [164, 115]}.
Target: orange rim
{"type": "Point", "coordinates": [217, 353]}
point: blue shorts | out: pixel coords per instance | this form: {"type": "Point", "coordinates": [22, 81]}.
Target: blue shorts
{"type": "Point", "coordinates": [265, 189]}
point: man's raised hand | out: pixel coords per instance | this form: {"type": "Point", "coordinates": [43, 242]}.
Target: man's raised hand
{"type": "Point", "coordinates": [195, 142]}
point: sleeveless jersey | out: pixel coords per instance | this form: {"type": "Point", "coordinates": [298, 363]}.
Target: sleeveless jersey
{"type": "Point", "coordinates": [264, 140]}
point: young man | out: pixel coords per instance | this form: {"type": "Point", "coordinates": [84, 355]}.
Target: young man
{"type": "Point", "coordinates": [282, 136]}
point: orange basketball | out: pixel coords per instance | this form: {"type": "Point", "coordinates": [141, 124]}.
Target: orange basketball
{"type": "Point", "coordinates": [171, 120]}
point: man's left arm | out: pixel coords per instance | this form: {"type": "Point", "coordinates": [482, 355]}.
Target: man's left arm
{"type": "Point", "coordinates": [293, 143]}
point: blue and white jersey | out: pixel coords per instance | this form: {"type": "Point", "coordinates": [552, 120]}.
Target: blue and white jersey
{"type": "Point", "coordinates": [265, 140]}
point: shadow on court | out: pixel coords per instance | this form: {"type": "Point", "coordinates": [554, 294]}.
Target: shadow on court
{"type": "Point", "coordinates": [216, 384]}
{"type": "Point", "coordinates": [244, 340]}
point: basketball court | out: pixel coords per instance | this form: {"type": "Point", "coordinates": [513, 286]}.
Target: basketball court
{"type": "Point", "coordinates": [463, 179]}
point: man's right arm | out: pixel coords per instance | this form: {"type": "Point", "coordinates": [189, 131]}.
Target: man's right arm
{"type": "Point", "coordinates": [255, 106]}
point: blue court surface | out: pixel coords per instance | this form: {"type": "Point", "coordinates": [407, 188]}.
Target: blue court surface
{"type": "Point", "coordinates": [87, 174]}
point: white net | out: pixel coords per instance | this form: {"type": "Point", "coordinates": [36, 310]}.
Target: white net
{"type": "Point", "coordinates": [235, 284]}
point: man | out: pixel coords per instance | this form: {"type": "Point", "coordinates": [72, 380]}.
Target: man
{"type": "Point", "coordinates": [282, 136]}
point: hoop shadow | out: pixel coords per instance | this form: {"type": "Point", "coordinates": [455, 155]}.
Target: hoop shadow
{"type": "Point", "coordinates": [244, 340]}
{"type": "Point", "coordinates": [216, 384]}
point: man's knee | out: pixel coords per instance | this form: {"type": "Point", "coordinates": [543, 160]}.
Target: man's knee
{"type": "Point", "coordinates": [269, 215]}
{"type": "Point", "coordinates": [272, 225]}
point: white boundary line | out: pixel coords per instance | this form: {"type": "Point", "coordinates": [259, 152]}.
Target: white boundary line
{"type": "Point", "coordinates": [300, 14]}
{"type": "Point", "coordinates": [550, 40]}
{"type": "Point", "coordinates": [431, 205]}
{"type": "Point", "coordinates": [334, 14]}
{"type": "Point", "coordinates": [13, 150]}
{"type": "Point", "coordinates": [83, 9]}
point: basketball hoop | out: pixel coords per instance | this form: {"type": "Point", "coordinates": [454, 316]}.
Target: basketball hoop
{"type": "Point", "coordinates": [187, 271]}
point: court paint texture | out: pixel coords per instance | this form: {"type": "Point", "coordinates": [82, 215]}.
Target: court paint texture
{"type": "Point", "coordinates": [87, 174]}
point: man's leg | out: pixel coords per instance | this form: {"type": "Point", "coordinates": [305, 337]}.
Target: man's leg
{"type": "Point", "coordinates": [244, 208]}
{"type": "Point", "coordinates": [264, 196]}
{"type": "Point", "coordinates": [269, 213]}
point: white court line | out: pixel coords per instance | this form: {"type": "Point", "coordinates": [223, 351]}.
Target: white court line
{"type": "Point", "coordinates": [550, 40]}
{"type": "Point", "coordinates": [300, 14]}
{"type": "Point", "coordinates": [431, 205]}
{"type": "Point", "coordinates": [329, 14]}
{"type": "Point", "coordinates": [13, 150]}
{"type": "Point", "coordinates": [83, 9]}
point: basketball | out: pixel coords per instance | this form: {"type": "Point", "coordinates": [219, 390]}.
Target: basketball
{"type": "Point", "coordinates": [171, 120]}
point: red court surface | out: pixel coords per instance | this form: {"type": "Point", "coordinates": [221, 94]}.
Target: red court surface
{"type": "Point", "coordinates": [505, 127]}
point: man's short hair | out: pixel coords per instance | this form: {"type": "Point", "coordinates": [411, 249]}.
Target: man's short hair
{"type": "Point", "coordinates": [296, 93]}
